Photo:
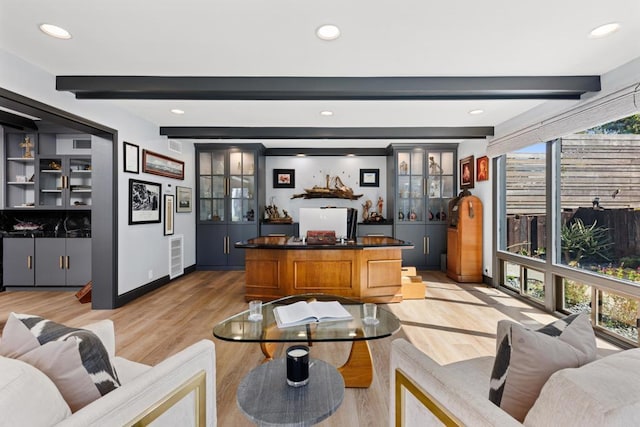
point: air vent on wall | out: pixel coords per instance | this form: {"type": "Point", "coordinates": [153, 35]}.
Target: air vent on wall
{"type": "Point", "coordinates": [82, 144]}
{"type": "Point", "coordinates": [176, 256]}
{"type": "Point", "coordinates": [175, 145]}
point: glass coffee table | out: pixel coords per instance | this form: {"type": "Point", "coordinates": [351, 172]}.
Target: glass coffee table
{"type": "Point", "coordinates": [357, 370]}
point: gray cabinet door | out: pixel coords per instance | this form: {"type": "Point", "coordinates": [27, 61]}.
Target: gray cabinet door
{"type": "Point", "coordinates": [211, 246]}
{"type": "Point", "coordinates": [50, 262]}
{"type": "Point", "coordinates": [414, 233]}
{"type": "Point", "coordinates": [286, 229]}
{"type": "Point", "coordinates": [436, 241]}
{"type": "Point", "coordinates": [238, 233]}
{"type": "Point", "coordinates": [18, 262]}
{"type": "Point", "coordinates": [78, 262]}
{"type": "Point", "coordinates": [374, 230]}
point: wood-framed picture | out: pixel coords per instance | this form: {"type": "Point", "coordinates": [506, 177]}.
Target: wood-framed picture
{"type": "Point", "coordinates": [159, 164]}
{"type": "Point", "coordinates": [169, 202]}
{"type": "Point", "coordinates": [284, 178]}
{"type": "Point", "coordinates": [144, 202]}
{"type": "Point", "coordinates": [131, 155]}
{"type": "Point", "coordinates": [369, 177]}
{"type": "Point", "coordinates": [466, 173]}
{"type": "Point", "coordinates": [482, 169]}
{"type": "Point", "coordinates": [184, 197]}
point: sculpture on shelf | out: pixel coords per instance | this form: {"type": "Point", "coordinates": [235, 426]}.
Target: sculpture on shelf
{"type": "Point", "coordinates": [271, 214]}
{"type": "Point", "coordinates": [27, 145]}
{"type": "Point", "coordinates": [333, 189]}
{"type": "Point", "coordinates": [365, 210]}
{"type": "Point", "coordinates": [372, 216]}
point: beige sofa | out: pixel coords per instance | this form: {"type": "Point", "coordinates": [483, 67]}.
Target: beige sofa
{"type": "Point", "coordinates": [605, 392]}
{"type": "Point", "coordinates": [179, 391]}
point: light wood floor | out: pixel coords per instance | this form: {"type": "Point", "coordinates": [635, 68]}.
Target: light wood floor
{"type": "Point", "coordinates": [454, 322]}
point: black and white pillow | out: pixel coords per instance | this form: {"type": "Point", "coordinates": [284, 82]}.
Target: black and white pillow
{"type": "Point", "coordinates": [74, 359]}
{"type": "Point", "coordinates": [525, 359]}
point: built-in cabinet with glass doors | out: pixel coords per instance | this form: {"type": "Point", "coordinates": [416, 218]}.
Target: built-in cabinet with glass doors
{"type": "Point", "coordinates": [227, 203]}
{"type": "Point", "coordinates": [424, 185]}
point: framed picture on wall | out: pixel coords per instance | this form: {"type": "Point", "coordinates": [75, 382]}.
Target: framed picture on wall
{"type": "Point", "coordinates": [466, 173]}
{"type": "Point", "coordinates": [369, 177]}
{"type": "Point", "coordinates": [482, 169]}
{"type": "Point", "coordinates": [144, 202]}
{"type": "Point", "coordinates": [169, 201]}
{"type": "Point", "coordinates": [131, 154]}
{"type": "Point", "coordinates": [284, 178]}
{"type": "Point", "coordinates": [183, 194]}
{"type": "Point", "coordinates": [161, 165]}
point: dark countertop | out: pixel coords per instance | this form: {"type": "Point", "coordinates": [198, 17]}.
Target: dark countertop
{"type": "Point", "coordinates": [286, 242]}
{"type": "Point", "coordinates": [27, 234]}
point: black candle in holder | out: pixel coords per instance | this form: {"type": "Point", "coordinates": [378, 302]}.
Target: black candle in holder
{"type": "Point", "coordinates": [298, 365]}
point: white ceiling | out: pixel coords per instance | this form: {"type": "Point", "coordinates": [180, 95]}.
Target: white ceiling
{"type": "Point", "coordinates": [277, 38]}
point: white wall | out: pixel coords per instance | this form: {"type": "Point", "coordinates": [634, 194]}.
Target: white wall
{"type": "Point", "coordinates": [310, 171]}
{"type": "Point", "coordinates": [141, 248]}
{"type": "Point", "coordinates": [483, 190]}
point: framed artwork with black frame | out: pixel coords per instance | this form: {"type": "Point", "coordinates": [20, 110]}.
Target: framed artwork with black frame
{"type": "Point", "coordinates": [131, 159]}
{"type": "Point", "coordinates": [169, 201]}
{"type": "Point", "coordinates": [369, 177]}
{"type": "Point", "coordinates": [162, 165]}
{"type": "Point", "coordinates": [466, 173]}
{"type": "Point", "coordinates": [144, 202]}
{"type": "Point", "coordinates": [183, 194]}
{"type": "Point", "coordinates": [284, 178]}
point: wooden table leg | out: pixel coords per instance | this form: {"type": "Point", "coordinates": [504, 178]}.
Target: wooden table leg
{"type": "Point", "coordinates": [358, 369]}
{"type": "Point", "coordinates": [268, 349]}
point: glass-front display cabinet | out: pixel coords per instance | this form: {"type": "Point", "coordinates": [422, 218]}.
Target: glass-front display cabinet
{"type": "Point", "coordinates": [227, 190]}
{"type": "Point", "coordinates": [424, 184]}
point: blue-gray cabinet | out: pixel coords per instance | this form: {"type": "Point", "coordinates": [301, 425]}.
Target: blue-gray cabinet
{"type": "Point", "coordinates": [228, 191]}
{"type": "Point", "coordinates": [46, 262]}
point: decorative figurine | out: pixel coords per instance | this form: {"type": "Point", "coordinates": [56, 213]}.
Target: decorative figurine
{"type": "Point", "coordinates": [365, 210]}
{"type": "Point", "coordinates": [380, 205]}
{"type": "Point", "coordinates": [400, 215]}
{"type": "Point", "coordinates": [27, 145]}
{"type": "Point", "coordinates": [404, 168]}
{"type": "Point", "coordinates": [412, 215]}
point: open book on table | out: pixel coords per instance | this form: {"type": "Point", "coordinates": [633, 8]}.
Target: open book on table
{"type": "Point", "coordinates": [302, 312]}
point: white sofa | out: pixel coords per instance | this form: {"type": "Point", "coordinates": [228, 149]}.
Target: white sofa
{"type": "Point", "coordinates": [179, 391]}
{"type": "Point", "coordinates": [605, 392]}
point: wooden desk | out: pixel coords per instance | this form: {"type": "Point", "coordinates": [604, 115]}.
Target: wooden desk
{"type": "Point", "coordinates": [367, 269]}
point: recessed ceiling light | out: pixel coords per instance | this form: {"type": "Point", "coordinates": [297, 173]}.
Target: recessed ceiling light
{"type": "Point", "coordinates": [328, 32]}
{"type": "Point", "coordinates": [55, 31]}
{"type": "Point", "coordinates": [604, 30]}
{"type": "Point", "coordinates": [177, 111]}
{"type": "Point", "coordinates": [351, 155]}
{"type": "Point", "coordinates": [301, 155]}
{"type": "Point", "coordinates": [476, 112]}
{"type": "Point", "coordinates": [326, 113]}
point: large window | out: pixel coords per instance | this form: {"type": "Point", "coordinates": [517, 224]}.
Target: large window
{"type": "Point", "coordinates": [525, 198]}
{"type": "Point", "coordinates": [600, 200]}
{"type": "Point", "coordinates": [585, 199]}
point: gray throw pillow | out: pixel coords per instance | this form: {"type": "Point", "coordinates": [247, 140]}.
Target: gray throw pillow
{"type": "Point", "coordinates": [525, 359]}
{"type": "Point", "coordinates": [74, 359]}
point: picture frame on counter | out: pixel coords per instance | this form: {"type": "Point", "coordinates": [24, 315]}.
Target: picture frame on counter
{"type": "Point", "coordinates": [144, 202]}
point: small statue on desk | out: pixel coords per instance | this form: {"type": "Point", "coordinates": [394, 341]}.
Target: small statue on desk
{"type": "Point", "coordinates": [27, 145]}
